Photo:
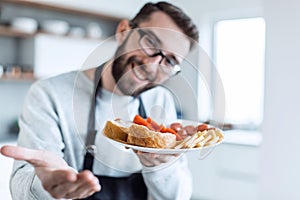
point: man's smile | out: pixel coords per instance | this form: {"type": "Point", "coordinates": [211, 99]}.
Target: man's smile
{"type": "Point", "coordinates": [139, 72]}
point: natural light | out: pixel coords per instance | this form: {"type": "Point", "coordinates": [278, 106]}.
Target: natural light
{"type": "Point", "coordinates": [239, 57]}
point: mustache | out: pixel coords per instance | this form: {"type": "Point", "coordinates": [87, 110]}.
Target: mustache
{"type": "Point", "coordinates": [142, 67]}
{"type": "Point", "coordinates": [135, 60]}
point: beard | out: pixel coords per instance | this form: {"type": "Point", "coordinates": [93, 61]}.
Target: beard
{"type": "Point", "coordinates": [121, 71]}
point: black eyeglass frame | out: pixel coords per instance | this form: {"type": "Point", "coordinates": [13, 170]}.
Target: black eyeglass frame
{"type": "Point", "coordinates": [173, 64]}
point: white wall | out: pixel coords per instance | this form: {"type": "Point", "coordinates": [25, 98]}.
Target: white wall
{"type": "Point", "coordinates": [12, 95]}
{"type": "Point", "coordinates": [7, 54]}
{"type": "Point", "coordinates": [280, 151]}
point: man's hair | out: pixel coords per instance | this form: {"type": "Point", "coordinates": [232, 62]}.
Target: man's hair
{"type": "Point", "coordinates": [183, 21]}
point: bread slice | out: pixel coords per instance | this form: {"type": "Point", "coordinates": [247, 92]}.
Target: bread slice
{"type": "Point", "coordinates": [117, 130]}
{"type": "Point", "coordinates": [142, 136]}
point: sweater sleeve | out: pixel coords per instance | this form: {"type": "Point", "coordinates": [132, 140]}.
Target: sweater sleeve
{"type": "Point", "coordinates": [39, 129]}
{"type": "Point", "coordinates": [170, 180]}
{"type": "Point", "coordinates": [24, 184]}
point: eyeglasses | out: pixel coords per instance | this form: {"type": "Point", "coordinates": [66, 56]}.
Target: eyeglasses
{"type": "Point", "coordinates": [150, 46]}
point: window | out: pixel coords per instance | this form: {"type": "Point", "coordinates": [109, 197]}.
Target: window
{"type": "Point", "coordinates": [239, 57]}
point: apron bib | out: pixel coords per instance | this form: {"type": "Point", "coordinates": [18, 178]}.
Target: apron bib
{"type": "Point", "coordinates": [112, 188]}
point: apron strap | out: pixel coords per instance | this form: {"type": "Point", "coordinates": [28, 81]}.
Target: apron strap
{"type": "Point", "coordinates": [91, 122]}
{"type": "Point", "coordinates": [90, 147]}
{"type": "Point", "coordinates": [142, 111]}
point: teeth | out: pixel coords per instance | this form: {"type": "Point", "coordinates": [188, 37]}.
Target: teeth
{"type": "Point", "coordinates": [138, 74]}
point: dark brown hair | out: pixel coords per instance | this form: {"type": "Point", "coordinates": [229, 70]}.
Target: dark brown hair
{"type": "Point", "coordinates": [183, 21]}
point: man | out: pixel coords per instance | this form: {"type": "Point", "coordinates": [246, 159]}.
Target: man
{"type": "Point", "coordinates": [63, 112]}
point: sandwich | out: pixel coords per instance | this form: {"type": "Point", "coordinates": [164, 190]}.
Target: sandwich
{"type": "Point", "coordinates": [142, 136]}
{"type": "Point", "coordinates": [148, 133]}
{"type": "Point", "coordinates": [140, 132]}
{"type": "Point", "coordinates": [117, 130]}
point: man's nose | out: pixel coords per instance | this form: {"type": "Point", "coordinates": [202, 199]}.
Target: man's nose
{"type": "Point", "coordinates": [157, 59]}
{"type": "Point", "coordinates": [153, 63]}
{"type": "Point", "coordinates": [152, 67]}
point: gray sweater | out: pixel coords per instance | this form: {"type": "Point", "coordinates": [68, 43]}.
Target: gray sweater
{"type": "Point", "coordinates": [55, 118]}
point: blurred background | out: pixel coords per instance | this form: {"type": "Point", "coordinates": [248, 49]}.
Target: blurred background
{"type": "Point", "coordinates": [250, 47]}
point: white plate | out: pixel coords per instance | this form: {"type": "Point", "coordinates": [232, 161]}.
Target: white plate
{"type": "Point", "coordinates": [165, 151]}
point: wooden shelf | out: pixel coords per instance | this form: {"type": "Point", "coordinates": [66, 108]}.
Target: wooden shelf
{"type": "Point", "coordinates": [21, 78]}
{"type": "Point", "coordinates": [69, 36]}
{"type": "Point", "coordinates": [58, 8]}
{"type": "Point", "coordinates": [10, 32]}
{"type": "Point", "coordinates": [42, 10]}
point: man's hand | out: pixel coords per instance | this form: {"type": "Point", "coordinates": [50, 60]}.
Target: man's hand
{"type": "Point", "coordinates": [56, 176]}
{"type": "Point", "coordinates": [153, 159]}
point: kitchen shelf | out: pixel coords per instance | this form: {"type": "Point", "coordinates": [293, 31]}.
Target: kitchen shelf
{"type": "Point", "coordinates": [10, 32]}
{"type": "Point", "coordinates": [22, 46]}
{"type": "Point", "coordinates": [59, 8]}
{"type": "Point", "coordinates": [69, 36]}
{"type": "Point", "coordinates": [6, 31]}
{"type": "Point", "coordinates": [21, 78]}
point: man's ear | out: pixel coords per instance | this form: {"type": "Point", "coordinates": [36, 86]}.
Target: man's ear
{"type": "Point", "coordinates": [122, 30]}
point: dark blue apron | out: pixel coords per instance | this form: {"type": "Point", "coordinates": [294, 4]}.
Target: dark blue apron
{"type": "Point", "coordinates": [125, 188]}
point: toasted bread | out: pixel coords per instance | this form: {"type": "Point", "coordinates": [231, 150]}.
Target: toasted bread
{"type": "Point", "coordinates": [141, 136]}
{"type": "Point", "coordinates": [117, 130]}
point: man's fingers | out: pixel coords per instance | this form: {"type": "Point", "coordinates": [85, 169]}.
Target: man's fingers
{"type": "Point", "coordinates": [89, 180]}
{"type": "Point", "coordinates": [34, 157]}
{"type": "Point", "coordinates": [19, 153]}
{"type": "Point", "coordinates": [53, 180]}
{"type": "Point", "coordinates": [38, 158]}
{"type": "Point", "coordinates": [85, 185]}
{"type": "Point", "coordinates": [148, 159]}
{"type": "Point", "coordinates": [89, 184]}
{"type": "Point", "coordinates": [59, 176]}
{"type": "Point", "coordinates": [154, 159]}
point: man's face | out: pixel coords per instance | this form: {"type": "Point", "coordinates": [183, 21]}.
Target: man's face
{"type": "Point", "coordinates": [147, 57]}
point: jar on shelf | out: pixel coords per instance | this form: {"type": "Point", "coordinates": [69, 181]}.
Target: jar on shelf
{"type": "Point", "coordinates": [13, 71]}
{"type": "Point", "coordinates": [1, 70]}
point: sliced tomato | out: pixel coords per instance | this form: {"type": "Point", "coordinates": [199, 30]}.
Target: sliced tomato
{"type": "Point", "coordinates": [153, 123]}
{"type": "Point", "coordinates": [169, 130]}
{"type": "Point", "coordinates": [150, 127]}
{"type": "Point", "coordinates": [141, 121]}
{"type": "Point", "coordinates": [162, 129]}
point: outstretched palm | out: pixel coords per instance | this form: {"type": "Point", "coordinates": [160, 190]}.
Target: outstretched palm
{"type": "Point", "coordinates": [57, 177]}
